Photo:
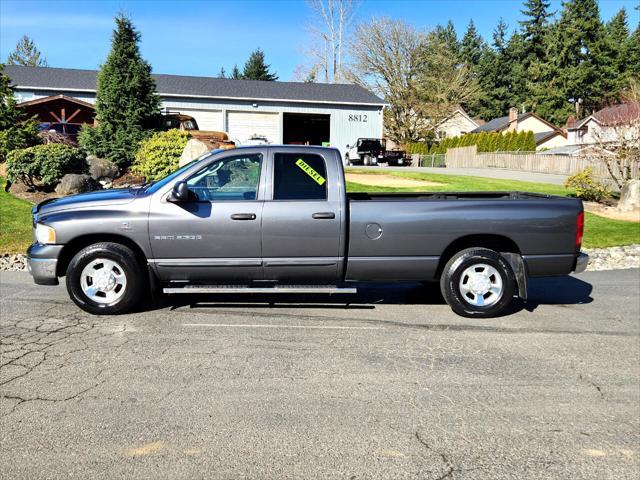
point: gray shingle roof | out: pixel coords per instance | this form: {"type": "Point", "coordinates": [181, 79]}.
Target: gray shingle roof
{"type": "Point", "coordinates": [72, 79]}
{"type": "Point", "coordinates": [497, 124]}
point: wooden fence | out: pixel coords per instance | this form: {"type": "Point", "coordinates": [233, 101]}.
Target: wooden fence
{"type": "Point", "coordinates": [468, 157]}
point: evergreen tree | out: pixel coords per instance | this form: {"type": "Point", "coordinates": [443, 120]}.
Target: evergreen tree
{"type": "Point", "coordinates": [126, 100]}
{"type": "Point", "coordinates": [222, 73]}
{"type": "Point", "coordinates": [26, 53]}
{"type": "Point", "coordinates": [472, 46]}
{"type": "Point", "coordinates": [235, 73]}
{"type": "Point", "coordinates": [16, 130]}
{"type": "Point", "coordinates": [534, 27]}
{"type": "Point", "coordinates": [494, 76]}
{"type": "Point", "coordinates": [257, 69]}
{"type": "Point", "coordinates": [447, 35]}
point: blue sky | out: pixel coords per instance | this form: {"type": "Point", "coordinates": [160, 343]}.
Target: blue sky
{"type": "Point", "coordinates": [199, 37]}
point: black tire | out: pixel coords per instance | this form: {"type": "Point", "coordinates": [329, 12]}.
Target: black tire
{"type": "Point", "coordinates": [455, 297]}
{"type": "Point", "coordinates": [125, 259]}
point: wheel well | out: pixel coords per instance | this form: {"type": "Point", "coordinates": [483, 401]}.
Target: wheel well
{"type": "Point", "coordinates": [499, 243]}
{"type": "Point", "coordinates": [77, 244]}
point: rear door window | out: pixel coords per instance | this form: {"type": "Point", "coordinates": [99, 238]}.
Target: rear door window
{"type": "Point", "coordinates": [299, 177]}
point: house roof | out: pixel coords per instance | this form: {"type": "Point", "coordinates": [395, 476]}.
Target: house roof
{"type": "Point", "coordinates": [572, 150]}
{"type": "Point", "coordinates": [67, 79]}
{"type": "Point", "coordinates": [501, 123]}
{"type": "Point", "coordinates": [544, 136]}
{"type": "Point", "coordinates": [39, 101]}
{"type": "Point", "coordinates": [613, 115]}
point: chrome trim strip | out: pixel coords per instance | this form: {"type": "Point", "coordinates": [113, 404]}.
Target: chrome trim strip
{"type": "Point", "coordinates": [302, 262]}
{"type": "Point", "coordinates": [276, 289]}
{"type": "Point", "coordinates": [206, 262]}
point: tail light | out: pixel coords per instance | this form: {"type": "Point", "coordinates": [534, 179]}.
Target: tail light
{"type": "Point", "coordinates": [579, 229]}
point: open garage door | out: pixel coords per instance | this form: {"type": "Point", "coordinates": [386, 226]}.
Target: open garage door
{"type": "Point", "coordinates": [245, 125]}
{"type": "Point", "coordinates": [210, 120]}
{"type": "Point", "coordinates": [306, 129]}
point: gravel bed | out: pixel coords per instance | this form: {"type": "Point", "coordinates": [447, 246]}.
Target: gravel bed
{"type": "Point", "coordinates": [612, 258]}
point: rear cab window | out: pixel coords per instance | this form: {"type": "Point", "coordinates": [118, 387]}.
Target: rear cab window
{"type": "Point", "coordinates": [299, 177]}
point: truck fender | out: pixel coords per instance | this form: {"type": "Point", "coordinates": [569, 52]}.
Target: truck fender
{"type": "Point", "coordinates": [520, 270]}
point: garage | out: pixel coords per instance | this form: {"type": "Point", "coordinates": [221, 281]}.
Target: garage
{"type": "Point", "coordinates": [306, 129]}
{"type": "Point", "coordinates": [207, 119]}
{"type": "Point", "coordinates": [245, 125]}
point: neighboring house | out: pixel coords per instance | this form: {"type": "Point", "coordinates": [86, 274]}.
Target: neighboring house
{"type": "Point", "coordinates": [282, 112]}
{"type": "Point", "coordinates": [546, 134]}
{"type": "Point", "coordinates": [456, 124]}
{"type": "Point", "coordinates": [603, 125]}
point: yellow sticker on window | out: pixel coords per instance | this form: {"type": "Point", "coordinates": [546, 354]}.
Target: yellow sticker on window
{"type": "Point", "coordinates": [310, 171]}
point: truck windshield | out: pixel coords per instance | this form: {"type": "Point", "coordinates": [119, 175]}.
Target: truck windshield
{"type": "Point", "coordinates": [155, 186]}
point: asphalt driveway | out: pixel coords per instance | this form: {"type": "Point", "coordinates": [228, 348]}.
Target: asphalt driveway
{"type": "Point", "coordinates": [392, 385]}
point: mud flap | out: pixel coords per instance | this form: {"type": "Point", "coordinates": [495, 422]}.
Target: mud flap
{"type": "Point", "coordinates": [520, 271]}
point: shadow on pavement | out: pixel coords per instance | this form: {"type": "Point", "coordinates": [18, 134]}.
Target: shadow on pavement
{"type": "Point", "coordinates": [564, 290]}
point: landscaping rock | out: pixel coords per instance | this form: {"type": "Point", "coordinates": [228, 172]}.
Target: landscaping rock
{"type": "Point", "coordinates": [192, 150]}
{"type": "Point", "coordinates": [13, 262]}
{"type": "Point", "coordinates": [629, 196]}
{"type": "Point", "coordinates": [613, 258]}
{"type": "Point", "coordinates": [102, 170]}
{"type": "Point", "coordinates": [73, 183]}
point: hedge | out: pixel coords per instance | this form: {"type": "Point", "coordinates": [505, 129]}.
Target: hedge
{"type": "Point", "coordinates": [484, 141]}
{"type": "Point", "coordinates": [44, 165]}
{"type": "Point", "coordinates": [159, 155]}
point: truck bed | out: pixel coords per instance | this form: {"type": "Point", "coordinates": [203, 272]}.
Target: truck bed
{"type": "Point", "coordinates": [399, 196]}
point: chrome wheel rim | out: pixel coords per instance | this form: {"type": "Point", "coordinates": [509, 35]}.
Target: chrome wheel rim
{"type": "Point", "coordinates": [103, 281]}
{"type": "Point", "coordinates": [481, 285]}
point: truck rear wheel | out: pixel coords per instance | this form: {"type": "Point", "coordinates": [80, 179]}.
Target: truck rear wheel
{"type": "Point", "coordinates": [367, 160]}
{"type": "Point", "coordinates": [105, 279]}
{"type": "Point", "coordinates": [478, 282]}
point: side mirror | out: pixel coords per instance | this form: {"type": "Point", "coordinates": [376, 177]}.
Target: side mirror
{"type": "Point", "coordinates": [180, 192]}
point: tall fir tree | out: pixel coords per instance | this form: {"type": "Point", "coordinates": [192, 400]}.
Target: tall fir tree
{"type": "Point", "coordinates": [472, 46]}
{"type": "Point", "coordinates": [494, 77]}
{"type": "Point", "coordinates": [235, 73]}
{"type": "Point", "coordinates": [127, 105]}
{"type": "Point", "coordinates": [26, 53]}
{"type": "Point", "coordinates": [534, 27]}
{"type": "Point", "coordinates": [257, 69]}
{"type": "Point", "coordinates": [447, 35]}
{"type": "Point", "coordinates": [222, 73]}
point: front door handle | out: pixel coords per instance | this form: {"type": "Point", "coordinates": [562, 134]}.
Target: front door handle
{"type": "Point", "coordinates": [323, 215]}
{"type": "Point", "coordinates": [243, 216]}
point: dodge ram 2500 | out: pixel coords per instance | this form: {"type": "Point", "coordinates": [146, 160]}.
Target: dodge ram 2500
{"type": "Point", "coordinates": [278, 219]}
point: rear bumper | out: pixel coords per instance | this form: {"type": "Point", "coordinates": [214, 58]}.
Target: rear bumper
{"type": "Point", "coordinates": [42, 263]}
{"type": "Point", "coordinates": [581, 263]}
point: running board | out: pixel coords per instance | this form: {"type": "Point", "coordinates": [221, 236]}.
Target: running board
{"type": "Point", "coordinates": [192, 289]}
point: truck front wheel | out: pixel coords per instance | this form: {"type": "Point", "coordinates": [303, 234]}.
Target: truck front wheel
{"type": "Point", "coordinates": [105, 279]}
{"type": "Point", "coordinates": [478, 282]}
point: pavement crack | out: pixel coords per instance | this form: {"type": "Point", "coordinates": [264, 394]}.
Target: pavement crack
{"type": "Point", "coordinates": [450, 469]}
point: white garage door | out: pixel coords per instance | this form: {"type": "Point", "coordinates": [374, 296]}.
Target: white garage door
{"type": "Point", "coordinates": [207, 119]}
{"type": "Point", "coordinates": [244, 125]}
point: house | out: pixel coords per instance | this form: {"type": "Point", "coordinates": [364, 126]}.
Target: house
{"type": "Point", "coordinates": [456, 124]}
{"type": "Point", "coordinates": [604, 125]}
{"type": "Point", "coordinates": [546, 134]}
{"type": "Point", "coordinates": [283, 112]}
{"type": "Point", "coordinates": [61, 113]}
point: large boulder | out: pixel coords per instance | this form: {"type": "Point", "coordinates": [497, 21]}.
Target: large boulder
{"type": "Point", "coordinates": [629, 196]}
{"type": "Point", "coordinates": [192, 150]}
{"type": "Point", "coordinates": [102, 170]}
{"type": "Point", "coordinates": [73, 183]}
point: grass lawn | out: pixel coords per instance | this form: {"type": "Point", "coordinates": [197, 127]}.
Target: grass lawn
{"type": "Point", "coordinates": [15, 214]}
{"type": "Point", "coordinates": [15, 222]}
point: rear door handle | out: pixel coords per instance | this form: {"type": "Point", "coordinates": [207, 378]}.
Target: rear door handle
{"type": "Point", "coordinates": [323, 215]}
{"type": "Point", "coordinates": [243, 216]}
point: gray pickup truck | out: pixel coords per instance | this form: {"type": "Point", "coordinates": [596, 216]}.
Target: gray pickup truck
{"type": "Point", "coordinates": [278, 219]}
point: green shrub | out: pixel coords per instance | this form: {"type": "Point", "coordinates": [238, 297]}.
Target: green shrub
{"type": "Point", "coordinates": [21, 135]}
{"type": "Point", "coordinates": [44, 165]}
{"type": "Point", "coordinates": [159, 155]}
{"type": "Point", "coordinates": [587, 187]}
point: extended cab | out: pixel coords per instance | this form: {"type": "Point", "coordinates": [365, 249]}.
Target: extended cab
{"type": "Point", "coordinates": [278, 219]}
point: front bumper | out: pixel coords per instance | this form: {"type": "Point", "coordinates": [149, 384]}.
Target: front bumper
{"type": "Point", "coordinates": [42, 263]}
{"type": "Point", "coordinates": [581, 263]}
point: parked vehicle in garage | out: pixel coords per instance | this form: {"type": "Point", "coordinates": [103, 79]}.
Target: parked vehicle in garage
{"type": "Point", "coordinates": [278, 219]}
{"type": "Point", "coordinates": [366, 151]}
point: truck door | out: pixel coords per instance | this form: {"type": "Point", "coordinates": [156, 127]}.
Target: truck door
{"type": "Point", "coordinates": [302, 234]}
{"type": "Point", "coordinates": [216, 235]}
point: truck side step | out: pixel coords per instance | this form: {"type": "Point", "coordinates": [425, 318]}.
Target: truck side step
{"type": "Point", "coordinates": [192, 289]}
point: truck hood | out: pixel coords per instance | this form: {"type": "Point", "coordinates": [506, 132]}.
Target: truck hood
{"type": "Point", "coordinates": [84, 200]}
